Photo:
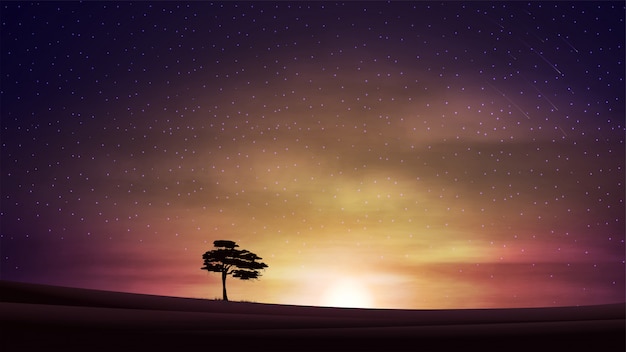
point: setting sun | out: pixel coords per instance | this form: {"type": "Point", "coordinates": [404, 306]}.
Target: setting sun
{"type": "Point", "coordinates": [347, 293]}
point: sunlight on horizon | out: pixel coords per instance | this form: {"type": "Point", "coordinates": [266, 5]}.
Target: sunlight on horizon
{"type": "Point", "coordinates": [347, 294]}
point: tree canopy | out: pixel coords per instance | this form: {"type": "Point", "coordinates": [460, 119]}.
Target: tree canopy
{"type": "Point", "coordinates": [229, 260]}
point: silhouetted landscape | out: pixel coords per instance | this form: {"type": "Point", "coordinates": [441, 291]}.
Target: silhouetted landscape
{"type": "Point", "coordinates": [460, 155]}
{"type": "Point", "coordinates": [72, 319]}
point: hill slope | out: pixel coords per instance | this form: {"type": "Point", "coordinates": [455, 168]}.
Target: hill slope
{"type": "Point", "coordinates": [60, 318]}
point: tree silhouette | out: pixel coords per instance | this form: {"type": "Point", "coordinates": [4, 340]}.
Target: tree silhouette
{"type": "Point", "coordinates": [227, 260]}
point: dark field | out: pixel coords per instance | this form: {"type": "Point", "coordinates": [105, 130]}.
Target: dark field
{"type": "Point", "coordinates": [49, 318]}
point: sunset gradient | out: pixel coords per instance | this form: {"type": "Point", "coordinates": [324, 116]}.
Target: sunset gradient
{"type": "Point", "coordinates": [434, 155]}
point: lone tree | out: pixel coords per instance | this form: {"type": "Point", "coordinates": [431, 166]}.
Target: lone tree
{"type": "Point", "coordinates": [227, 260]}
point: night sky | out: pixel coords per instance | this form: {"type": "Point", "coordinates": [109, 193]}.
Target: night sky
{"type": "Point", "coordinates": [398, 155]}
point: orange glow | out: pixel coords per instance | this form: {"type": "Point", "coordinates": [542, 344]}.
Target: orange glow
{"type": "Point", "coordinates": [347, 293]}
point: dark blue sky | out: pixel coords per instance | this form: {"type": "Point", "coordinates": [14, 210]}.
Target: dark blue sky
{"type": "Point", "coordinates": [439, 154]}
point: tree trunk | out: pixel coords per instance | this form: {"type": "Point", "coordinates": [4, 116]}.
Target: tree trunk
{"type": "Point", "coordinates": [224, 296]}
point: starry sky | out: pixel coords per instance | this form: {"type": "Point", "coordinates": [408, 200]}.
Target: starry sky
{"type": "Point", "coordinates": [424, 154]}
